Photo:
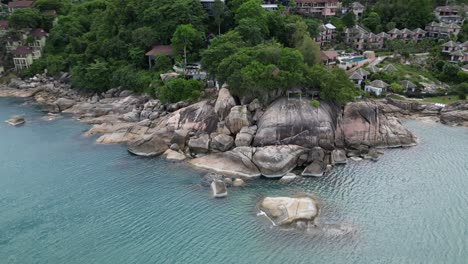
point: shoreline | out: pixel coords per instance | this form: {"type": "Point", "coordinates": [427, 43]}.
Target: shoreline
{"type": "Point", "coordinates": [216, 135]}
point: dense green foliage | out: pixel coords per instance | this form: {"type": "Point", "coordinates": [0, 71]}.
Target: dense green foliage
{"type": "Point", "coordinates": [178, 89]}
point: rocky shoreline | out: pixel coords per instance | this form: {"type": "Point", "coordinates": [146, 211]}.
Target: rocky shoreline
{"type": "Point", "coordinates": [237, 142]}
{"type": "Point", "coordinates": [245, 141]}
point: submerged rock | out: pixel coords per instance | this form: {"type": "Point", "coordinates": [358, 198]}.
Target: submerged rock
{"type": "Point", "coordinates": [210, 177]}
{"type": "Point", "coordinates": [16, 120]}
{"type": "Point", "coordinates": [288, 210]}
{"type": "Point", "coordinates": [219, 189]}
{"type": "Point", "coordinates": [316, 169]}
{"type": "Point", "coordinates": [238, 182]}
{"type": "Point", "coordinates": [289, 177]}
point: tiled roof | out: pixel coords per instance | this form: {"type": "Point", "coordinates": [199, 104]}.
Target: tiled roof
{"type": "Point", "coordinates": [38, 33]}
{"type": "Point", "coordinates": [374, 69]}
{"type": "Point", "coordinates": [362, 72]}
{"type": "Point", "coordinates": [407, 84]}
{"type": "Point", "coordinates": [160, 49]}
{"type": "Point", "coordinates": [20, 4]}
{"type": "Point", "coordinates": [459, 53]}
{"type": "Point", "coordinates": [379, 84]}
{"type": "Point", "coordinates": [356, 76]}
{"type": "Point", "coordinates": [390, 67]}
{"type": "Point", "coordinates": [451, 44]}
{"type": "Point", "coordinates": [23, 50]}
{"type": "Point", "coordinates": [328, 54]}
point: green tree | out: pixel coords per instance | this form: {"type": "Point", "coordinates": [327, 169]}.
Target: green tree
{"type": "Point", "coordinates": [177, 90]}
{"type": "Point", "coordinates": [310, 50]}
{"type": "Point", "coordinates": [251, 32]}
{"type": "Point", "coordinates": [372, 21]}
{"type": "Point", "coordinates": [25, 18]}
{"type": "Point", "coordinates": [186, 39]}
{"type": "Point", "coordinates": [396, 87]}
{"type": "Point", "coordinates": [219, 11]}
{"type": "Point", "coordinates": [44, 5]}
{"type": "Point", "coordinates": [349, 20]}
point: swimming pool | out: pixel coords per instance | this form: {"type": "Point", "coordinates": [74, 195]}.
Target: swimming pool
{"type": "Point", "coordinates": [354, 59]}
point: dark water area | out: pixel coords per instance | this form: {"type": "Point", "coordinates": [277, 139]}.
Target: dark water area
{"type": "Point", "coordinates": [65, 199]}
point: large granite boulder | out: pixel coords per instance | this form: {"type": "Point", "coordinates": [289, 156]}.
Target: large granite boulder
{"type": "Point", "coordinates": [238, 118]}
{"type": "Point", "coordinates": [64, 103]}
{"type": "Point", "coordinates": [277, 161]}
{"type": "Point", "coordinates": [296, 122]}
{"type": "Point", "coordinates": [363, 123]}
{"type": "Point", "coordinates": [174, 155]}
{"type": "Point", "coordinates": [288, 210]}
{"type": "Point", "coordinates": [199, 144]}
{"type": "Point", "coordinates": [455, 114]}
{"type": "Point", "coordinates": [224, 103]}
{"type": "Point", "coordinates": [338, 156]}
{"type": "Point", "coordinates": [180, 137]}
{"type": "Point", "coordinates": [245, 136]}
{"type": "Point", "coordinates": [222, 142]}
{"type": "Point", "coordinates": [236, 162]}
{"type": "Point", "coordinates": [148, 146]}
{"type": "Point", "coordinates": [316, 169]}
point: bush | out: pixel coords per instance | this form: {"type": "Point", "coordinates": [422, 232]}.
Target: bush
{"type": "Point", "coordinates": [314, 103]}
{"type": "Point", "coordinates": [462, 96]}
{"type": "Point", "coordinates": [177, 90]}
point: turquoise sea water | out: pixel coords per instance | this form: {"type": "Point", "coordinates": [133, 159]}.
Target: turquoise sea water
{"type": "Point", "coordinates": [64, 199]}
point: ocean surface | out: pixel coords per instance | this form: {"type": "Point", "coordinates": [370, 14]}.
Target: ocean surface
{"type": "Point", "coordinates": [64, 199]}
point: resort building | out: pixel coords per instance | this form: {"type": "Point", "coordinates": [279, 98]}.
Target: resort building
{"type": "Point", "coordinates": [326, 35]}
{"type": "Point", "coordinates": [317, 8]}
{"type": "Point", "coordinates": [328, 57]}
{"type": "Point", "coordinates": [441, 29]}
{"type": "Point", "coordinates": [39, 37]}
{"type": "Point", "coordinates": [408, 86]}
{"type": "Point", "coordinates": [377, 87]}
{"type": "Point", "coordinates": [451, 14]}
{"type": "Point", "coordinates": [22, 57]}
{"type": "Point", "coordinates": [455, 51]}
{"type": "Point", "coordinates": [4, 26]}
{"type": "Point", "coordinates": [14, 5]}
{"type": "Point", "coordinates": [357, 8]}
{"type": "Point", "coordinates": [158, 50]}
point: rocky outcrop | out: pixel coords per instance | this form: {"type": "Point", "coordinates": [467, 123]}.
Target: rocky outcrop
{"type": "Point", "coordinates": [173, 155]}
{"type": "Point", "coordinates": [64, 104]}
{"type": "Point", "coordinates": [199, 144]}
{"type": "Point", "coordinates": [236, 162]}
{"type": "Point", "coordinates": [316, 169]}
{"type": "Point", "coordinates": [219, 189]}
{"type": "Point", "coordinates": [276, 161]}
{"type": "Point", "coordinates": [338, 156]}
{"type": "Point", "coordinates": [238, 118]}
{"type": "Point", "coordinates": [15, 120]}
{"type": "Point", "coordinates": [455, 114]}
{"type": "Point", "coordinates": [363, 124]}
{"type": "Point", "coordinates": [148, 146]}
{"type": "Point", "coordinates": [222, 142]}
{"type": "Point", "coordinates": [289, 210]}
{"type": "Point", "coordinates": [245, 136]}
{"type": "Point", "coordinates": [224, 103]}
{"type": "Point", "coordinates": [296, 122]}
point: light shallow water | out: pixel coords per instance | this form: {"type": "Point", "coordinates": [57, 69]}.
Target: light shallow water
{"type": "Point", "coordinates": [64, 199]}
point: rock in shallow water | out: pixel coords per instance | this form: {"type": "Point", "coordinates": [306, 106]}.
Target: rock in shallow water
{"type": "Point", "coordinates": [16, 120]}
{"type": "Point", "coordinates": [219, 189]}
{"type": "Point", "coordinates": [288, 210]}
{"type": "Point", "coordinates": [148, 146]}
{"type": "Point", "coordinates": [315, 169]}
{"type": "Point", "coordinates": [277, 161]}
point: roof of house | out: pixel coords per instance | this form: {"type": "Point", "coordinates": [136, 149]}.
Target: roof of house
{"type": "Point", "coordinates": [406, 31]}
{"type": "Point", "coordinates": [4, 24]}
{"type": "Point", "coordinates": [379, 84]}
{"type": "Point", "coordinates": [407, 84]}
{"type": "Point", "coordinates": [447, 8]}
{"type": "Point", "coordinates": [390, 67]}
{"type": "Point", "coordinates": [459, 53]}
{"type": "Point", "coordinates": [451, 44]}
{"type": "Point", "coordinates": [356, 76]}
{"type": "Point", "coordinates": [330, 26]}
{"type": "Point", "coordinates": [38, 33]}
{"type": "Point", "coordinates": [420, 31]}
{"type": "Point", "coordinates": [356, 5]}
{"type": "Point", "coordinates": [362, 72]}
{"type": "Point", "coordinates": [22, 50]}
{"type": "Point", "coordinates": [20, 4]}
{"type": "Point", "coordinates": [383, 35]}
{"type": "Point", "coordinates": [394, 31]}
{"type": "Point", "coordinates": [328, 55]}
{"type": "Point", "coordinates": [160, 49]}
{"type": "Point", "coordinates": [374, 69]}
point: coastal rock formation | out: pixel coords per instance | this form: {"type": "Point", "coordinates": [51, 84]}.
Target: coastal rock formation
{"type": "Point", "coordinates": [236, 162]}
{"type": "Point", "coordinates": [276, 161]}
{"type": "Point", "coordinates": [174, 155]}
{"type": "Point", "coordinates": [315, 169]}
{"type": "Point", "coordinates": [148, 146]}
{"type": "Point", "coordinates": [363, 124]}
{"type": "Point", "coordinates": [455, 114]}
{"type": "Point", "coordinates": [64, 103]}
{"type": "Point", "coordinates": [296, 122]}
{"type": "Point", "coordinates": [222, 142]}
{"type": "Point", "coordinates": [199, 144]}
{"type": "Point", "coordinates": [15, 120]}
{"type": "Point", "coordinates": [245, 136]}
{"type": "Point", "coordinates": [238, 118]}
{"type": "Point", "coordinates": [288, 210]}
{"type": "Point", "coordinates": [224, 103]}
{"type": "Point", "coordinates": [219, 189]}
{"type": "Point", "coordinates": [338, 156]}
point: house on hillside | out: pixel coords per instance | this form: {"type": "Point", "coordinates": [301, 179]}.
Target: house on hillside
{"type": "Point", "coordinates": [14, 5]}
{"type": "Point", "coordinates": [158, 50]}
{"type": "Point", "coordinates": [377, 87]}
{"type": "Point", "coordinates": [356, 78]}
{"type": "Point", "coordinates": [326, 33]}
{"type": "Point", "coordinates": [451, 14]}
{"type": "Point", "coordinates": [4, 27]}
{"type": "Point", "coordinates": [419, 34]}
{"type": "Point", "coordinates": [13, 41]}
{"type": "Point", "coordinates": [22, 57]}
{"type": "Point", "coordinates": [408, 86]}
{"type": "Point", "coordinates": [39, 37]}
{"type": "Point", "coordinates": [441, 29]}
{"type": "Point", "coordinates": [328, 57]}
{"type": "Point", "coordinates": [458, 56]}
{"type": "Point", "coordinates": [357, 8]}
{"type": "Point", "coordinates": [317, 8]}
{"type": "Point", "coordinates": [390, 68]}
